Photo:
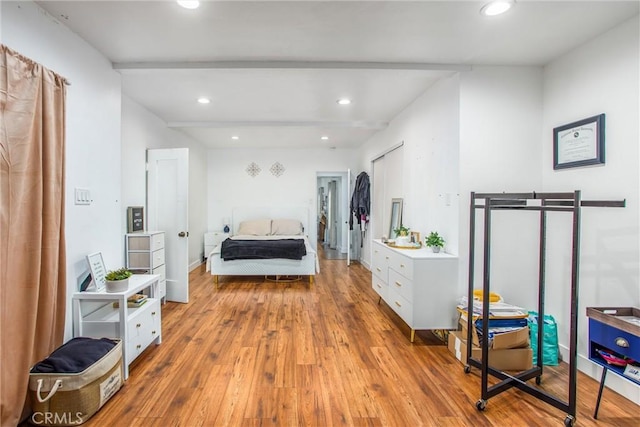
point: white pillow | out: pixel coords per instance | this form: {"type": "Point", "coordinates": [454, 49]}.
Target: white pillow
{"type": "Point", "coordinates": [286, 227]}
{"type": "Point", "coordinates": [256, 227]}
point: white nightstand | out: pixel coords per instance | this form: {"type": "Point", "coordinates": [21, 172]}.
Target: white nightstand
{"type": "Point", "coordinates": [213, 239]}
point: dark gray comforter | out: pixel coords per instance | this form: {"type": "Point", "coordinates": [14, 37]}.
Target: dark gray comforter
{"type": "Point", "coordinates": [263, 249]}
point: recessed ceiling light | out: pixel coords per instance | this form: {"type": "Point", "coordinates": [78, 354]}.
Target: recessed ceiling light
{"type": "Point", "coordinates": [235, 137]}
{"type": "Point", "coordinates": [204, 100]}
{"type": "Point", "coordinates": [324, 138]}
{"type": "Point", "coordinates": [344, 101]}
{"type": "Point", "coordinates": [496, 7]}
{"type": "Point", "coordinates": [189, 4]}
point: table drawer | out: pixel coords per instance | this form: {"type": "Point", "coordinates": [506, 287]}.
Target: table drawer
{"type": "Point", "coordinates": [614, 339]}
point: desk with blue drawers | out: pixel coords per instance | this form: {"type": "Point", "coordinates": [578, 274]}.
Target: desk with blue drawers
{"type": "Point", "coordinates": [615, 330]}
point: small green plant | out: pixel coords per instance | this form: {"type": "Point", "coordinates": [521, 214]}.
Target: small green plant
{"type": "Point", "coordinates": [119, 274]}
{"type": "Point", "coordinates": [434, 240]}
{"type": "Point", "coordinates": [401, 231]}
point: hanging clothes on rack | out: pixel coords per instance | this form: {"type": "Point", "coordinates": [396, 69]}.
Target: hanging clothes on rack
{"type": "Point", "coordinates": [360, 204]}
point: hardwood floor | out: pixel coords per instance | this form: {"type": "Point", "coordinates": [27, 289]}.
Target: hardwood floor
{"type": "Point", "coordinates": [259, 353]}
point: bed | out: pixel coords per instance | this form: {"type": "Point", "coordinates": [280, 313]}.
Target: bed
{"type": "Point", "coordinates": [270, 225]}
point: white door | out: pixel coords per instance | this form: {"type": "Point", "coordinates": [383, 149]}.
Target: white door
{"type": "Point", "coordinates": [168, 211]}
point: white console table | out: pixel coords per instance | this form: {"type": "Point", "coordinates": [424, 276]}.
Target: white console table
{"type": "Point", "coordinates": [137, 327]}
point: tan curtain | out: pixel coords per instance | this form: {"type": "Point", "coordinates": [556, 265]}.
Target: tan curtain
{"type": "Point", "coordinates": [32, 255]}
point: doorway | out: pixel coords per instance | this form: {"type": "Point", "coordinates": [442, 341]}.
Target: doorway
{"type": "Point", "coordinates": [332, 214]}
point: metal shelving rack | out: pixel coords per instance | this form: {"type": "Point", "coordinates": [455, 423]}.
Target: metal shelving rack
{"type": "Point", "coordinates": [570, 202]}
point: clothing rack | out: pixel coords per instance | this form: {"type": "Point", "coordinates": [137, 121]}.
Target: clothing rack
{"type": "Point", "coordinates": [570, 202]}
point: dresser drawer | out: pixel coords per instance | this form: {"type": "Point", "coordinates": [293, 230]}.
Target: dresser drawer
{"type": "Point", "coordinates": [611, 338]}
{"type": "Point", "coordinates": [379, 286]}
{"type": "Point", "coordinates": [400, 305]}
{"type": "Point", "coordinates": [401, 264]}
{"type": "Point", "coordinates": [147, 242]}
{"type": "Point", "coordinates": [380, 261]}
{"type": "Point", "coordinates": [401, 284]}
{"type": "Point", "coordinates": [158, 258]}
{"type": "Point", "coordinates": [161, 271]}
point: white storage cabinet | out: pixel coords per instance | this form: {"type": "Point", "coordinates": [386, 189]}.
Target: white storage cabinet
{"type": "Point", "coordinates": [419, 285]}
{"type": "Point", "coordinates": [145, 255]}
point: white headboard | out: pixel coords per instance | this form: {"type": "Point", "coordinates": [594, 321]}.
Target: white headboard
{"type": "Point", "coordinates": [245, 213]}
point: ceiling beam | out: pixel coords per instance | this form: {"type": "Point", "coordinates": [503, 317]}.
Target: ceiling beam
{"type": "Point", "coordinates": [278, 123]}
{"type": "Point", "coordinates": [301, 65]}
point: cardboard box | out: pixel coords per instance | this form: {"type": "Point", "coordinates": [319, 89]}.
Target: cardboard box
{"type": "Point", "coordinates": [514, 359]}
{"type": "Point", "coordinates": [518, 338]}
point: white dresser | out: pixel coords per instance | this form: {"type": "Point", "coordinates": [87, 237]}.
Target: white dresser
{"type": "Point", "coordinates": [213, 239]}
{"type": "Point", "coordinates": [419, 285]}
{"type": "Point", "coordinates": [145, 255]}
{"type": "Point", "coordinates": [137, 327]}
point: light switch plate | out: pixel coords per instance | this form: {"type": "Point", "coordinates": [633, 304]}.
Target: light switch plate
{"type": "Point", "coordinates": [82, 196]}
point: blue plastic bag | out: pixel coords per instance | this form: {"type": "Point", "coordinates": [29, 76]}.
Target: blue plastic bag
{"type": "Point", "coordinates": [549, 340]}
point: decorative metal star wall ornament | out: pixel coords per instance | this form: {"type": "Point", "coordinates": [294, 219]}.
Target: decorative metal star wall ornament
{"type": "Point", "coordinates": [253, 169]}
{"type": "Point", "coordinates": [277, 169]}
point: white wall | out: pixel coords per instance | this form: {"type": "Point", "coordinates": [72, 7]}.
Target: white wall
{"type": "Point", "coordinates": [429, 128]}
{"type": "Point", "coordinates": [601, 76]}
{"type": "Point", "coordinates": [141, 130]}
{"type": "Point", "coordinates": [92, 138]}
{"type": "Point", "coordinates": [229, 185]}
{"type": "Point", "coordinates": [500, 133]}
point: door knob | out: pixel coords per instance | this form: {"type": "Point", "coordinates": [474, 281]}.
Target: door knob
{"type": "Point", "coordinates": [183, 234]}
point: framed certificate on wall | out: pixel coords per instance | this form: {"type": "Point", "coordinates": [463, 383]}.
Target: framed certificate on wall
{"type": "Point", "coordinates": [135, 219]}
{"type": "Point", "coordinates": [579, 144]}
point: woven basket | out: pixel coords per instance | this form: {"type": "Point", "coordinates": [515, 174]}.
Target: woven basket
{"type": "Point", "coordinates": [64, 399]}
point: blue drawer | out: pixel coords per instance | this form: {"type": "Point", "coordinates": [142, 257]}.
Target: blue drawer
{"type": "Point", "coordinates": [606, 336]}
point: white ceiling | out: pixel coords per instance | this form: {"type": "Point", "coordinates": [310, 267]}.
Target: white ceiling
{"type": "Point", "coordinates": [274, 70]}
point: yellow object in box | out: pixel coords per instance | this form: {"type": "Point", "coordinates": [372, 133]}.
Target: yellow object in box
{"type": "Point", "coordinates": [514, 359]}
{"type": "Point", "coordinates": [493, 297]}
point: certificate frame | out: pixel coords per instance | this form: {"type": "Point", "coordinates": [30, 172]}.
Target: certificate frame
{"type": "Point", "coordinates": [579, 143]}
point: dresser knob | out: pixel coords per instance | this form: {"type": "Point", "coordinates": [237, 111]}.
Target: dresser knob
{"type": "Point", "coordinates": [398, 284]}
{"type": "Point", "coordinates": [138, 346]}
{"type": "Point", "coordinates": [153, 332]}
{"type": "Point", "coordinates": [621, 342]}
{"type": "Point", "coordinates": [137, 325]}
{"type": "Point", "coordinates": [401, 265]}
{"type": "Point", "coordinates": [398, 304]}
{"type": "Point", "coordinates": [153, 313]}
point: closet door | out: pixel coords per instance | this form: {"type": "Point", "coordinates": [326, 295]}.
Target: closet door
{"type": "Point", "coordinates": [379, 216]}
{"type": "Point", "coordinates": [386, 185]}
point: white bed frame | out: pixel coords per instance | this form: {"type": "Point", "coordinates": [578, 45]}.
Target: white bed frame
{"type": "Point", "coordinates": [307, 266]}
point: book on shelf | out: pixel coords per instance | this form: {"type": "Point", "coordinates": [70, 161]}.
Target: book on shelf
{"type": "Point", "coordinates": [133, 301]}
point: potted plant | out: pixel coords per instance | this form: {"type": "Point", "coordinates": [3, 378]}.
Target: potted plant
{"type": "Point", "coordinates": [402, 235]}
{"type": "Point", "coordinates": [117, 280]}
{"type": "Point", "coordinates": [434, 241]}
